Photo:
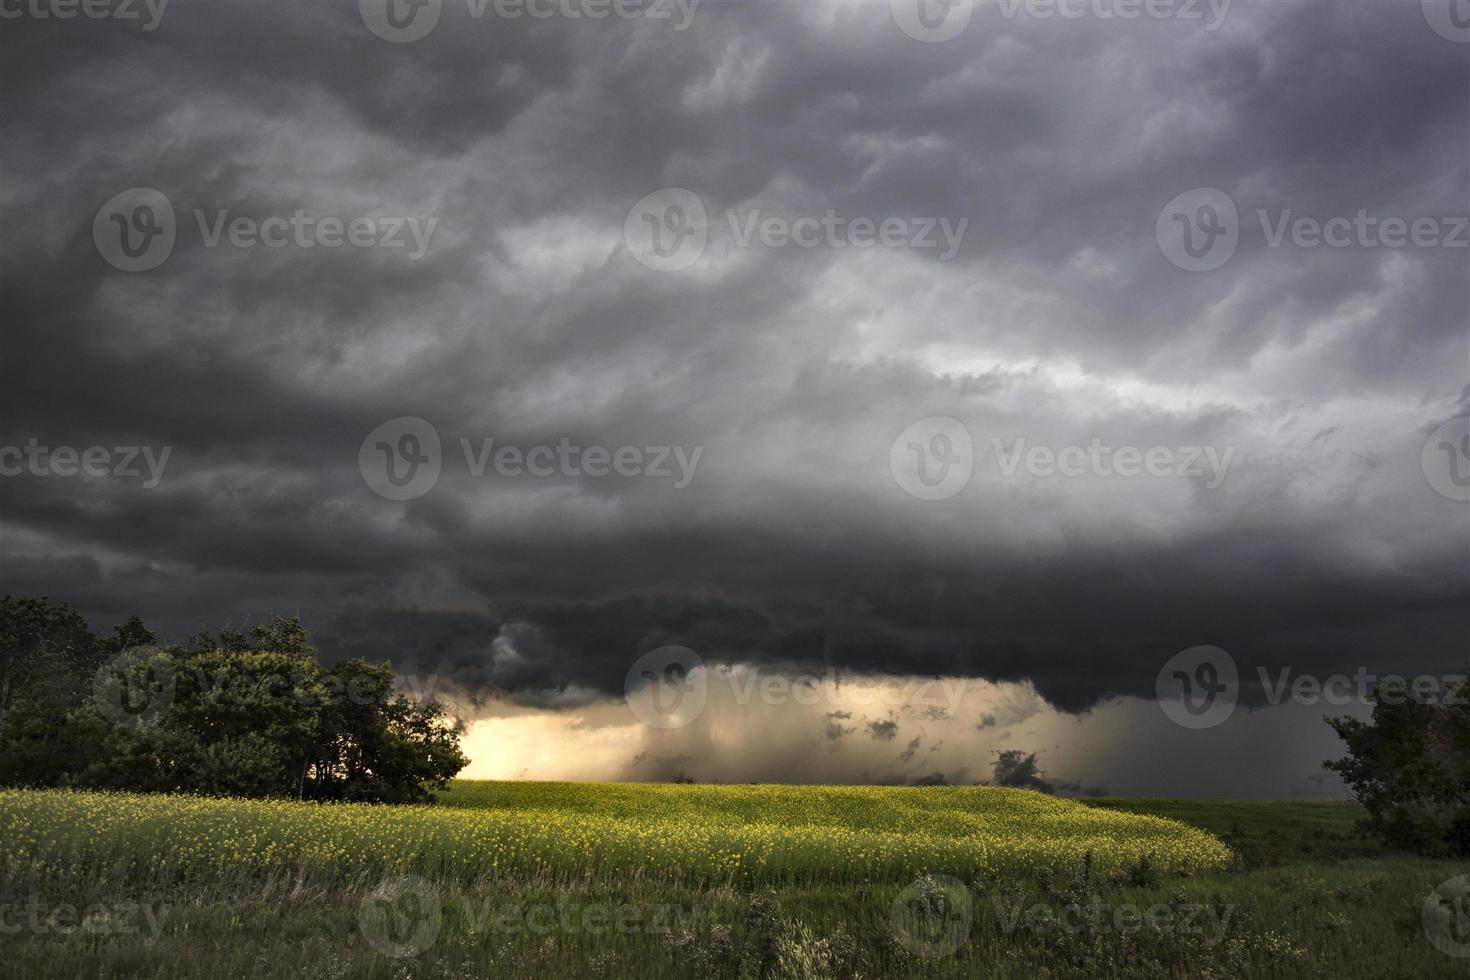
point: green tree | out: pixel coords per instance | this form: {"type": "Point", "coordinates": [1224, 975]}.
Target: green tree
{"type": "Point", "coordinates": [47, 660]}
{"type": "Point", "coordinates": [238, 713]}
{"type": "Point", "coordinates": [376, 744]}
{"type": "Point", "coordinates": [1020, 770]}
{"type": "Point", "coordinates": [1410, 768]}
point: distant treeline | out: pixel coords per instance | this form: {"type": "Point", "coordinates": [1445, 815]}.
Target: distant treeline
{"type": "Point", "coordinates": [227, 714]}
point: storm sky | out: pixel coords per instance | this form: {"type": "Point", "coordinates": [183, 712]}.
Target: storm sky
{"type": "Point", "coordinates": [813, 450]}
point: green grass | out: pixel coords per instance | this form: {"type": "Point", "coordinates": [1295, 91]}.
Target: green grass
{"type": "Point", "coordinates": [1304, 896]}
{"type": "Point", "coordinates": [1267, 832]}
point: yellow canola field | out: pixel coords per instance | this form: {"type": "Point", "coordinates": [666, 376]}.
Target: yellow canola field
{"type": "Point", "coordinates": [479, 830]}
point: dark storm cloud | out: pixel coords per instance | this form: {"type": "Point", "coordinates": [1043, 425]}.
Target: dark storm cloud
{"type": "Point", "coordinates": [527, 320]}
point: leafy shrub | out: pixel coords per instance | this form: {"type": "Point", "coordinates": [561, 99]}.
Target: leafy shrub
{"type": "Point", "coordinates": [1410, 768]}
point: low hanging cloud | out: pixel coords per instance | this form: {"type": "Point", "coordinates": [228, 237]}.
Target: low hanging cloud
{"type": "Point", "coordinates": [724, 736]}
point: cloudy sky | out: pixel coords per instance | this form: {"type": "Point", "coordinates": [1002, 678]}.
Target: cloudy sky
{"type": "Point", "coordinates": [927, 376]}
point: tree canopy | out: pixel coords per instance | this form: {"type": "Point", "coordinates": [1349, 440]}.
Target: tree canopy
{"type": "Point", "coordinates": [1410, 768]}
{"type": "Point", "coordinates": [235, 713]}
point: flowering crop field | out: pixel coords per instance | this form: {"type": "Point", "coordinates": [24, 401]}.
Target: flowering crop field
{"type": "Point", "coordinates": [706, 883]}
{"type": "Point", "coordinates": [741, 835]}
